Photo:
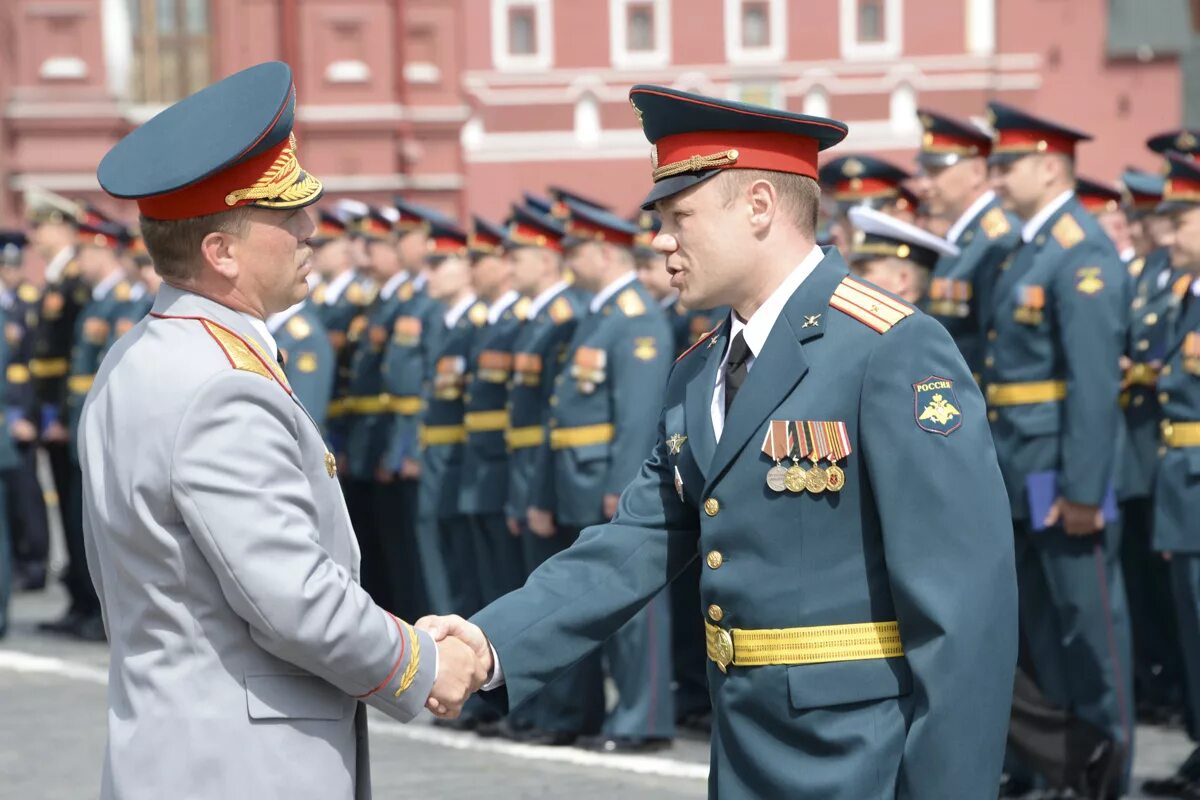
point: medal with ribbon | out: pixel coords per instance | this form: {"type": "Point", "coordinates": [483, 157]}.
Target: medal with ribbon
{"type": "Point", "coordinates": [816, 480]}
{"type": "Point", "coordinates": [800, 448]}
{"type": "Point", "coordinates": [839, 448]}
{"type": "Point", "coordinates": [777, 444]}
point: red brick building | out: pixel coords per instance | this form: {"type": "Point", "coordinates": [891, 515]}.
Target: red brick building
{"type": "Point", "coordinates": [464, 103]}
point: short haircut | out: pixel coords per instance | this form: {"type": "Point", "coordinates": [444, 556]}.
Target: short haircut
{"type": "Point", "coordinates": [174, 245]}
{"type": "Point", "coordinates": [799, 195]}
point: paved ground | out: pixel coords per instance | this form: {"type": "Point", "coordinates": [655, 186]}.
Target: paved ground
{"type": "Point", "coordinates": [52, 740]}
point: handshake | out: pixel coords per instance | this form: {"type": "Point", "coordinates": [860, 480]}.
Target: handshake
{"type": "Point", "coordinates": [464, 664]}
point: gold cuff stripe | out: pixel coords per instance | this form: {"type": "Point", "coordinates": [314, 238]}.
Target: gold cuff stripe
{"type": "Point", "coordinates": [812, 645]}
{"type": "Point", "coordinates": [48, 367]}
{"type": "Point", "coordinates": [696, 163]}
{"type": "Point", "coordinates": [485, 421]}
{"type": "Point", "coordinates": [1181, 434]}
{"type": "Point", "coordinates": [80, 384]}
{"type": "Point", "coordinates": [563, 438]}
{"type": "Point", "coordinates": [434, 435]}
{"type": "Point", "coordinates": [414, 662]}
{"type": "Point", "coordinates": [529, 436]}
{"type": "Point", "coordinates": [1023, 394]}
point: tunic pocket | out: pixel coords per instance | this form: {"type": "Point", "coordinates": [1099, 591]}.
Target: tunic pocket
{"type": "Point", "coordinates": [841, 682]}
{"type": "Point", "coordinates": [294, 697]}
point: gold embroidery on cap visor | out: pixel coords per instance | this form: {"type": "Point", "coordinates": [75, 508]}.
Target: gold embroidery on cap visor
{"type": "Point", "coordinates": [284, 185]}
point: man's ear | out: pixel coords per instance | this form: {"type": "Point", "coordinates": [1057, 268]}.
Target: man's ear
{"type": "Point", "coordinates": [763, 203]}
{"type": "Point", "coordinates": [218, 251]}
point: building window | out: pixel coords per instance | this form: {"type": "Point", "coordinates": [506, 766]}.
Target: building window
{"type": "Point", "coordinates": [522, 38]}
{"type": "Point", "coordinates": [870, 29]}
{"type": "Point", "coordinates": [171, 43]}
{"type": "Point", "coordinates": [639, 33]}
{"type": "Point", "coordinates": [870, 20]}
{"type": "Point", "coordinates": [755, 31]}
{"type": "Point", "coordinates": [758, 93]}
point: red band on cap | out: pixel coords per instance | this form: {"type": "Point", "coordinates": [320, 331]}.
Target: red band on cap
{"type": "Point", "coordinates": [583, 229]}
{"type": "Point", "coordinates": [1020, 141]}
{"type": "Point", "coordinates": [446, 246]}
{"type": "Point", "coordinates": [1095, 204]}
{"type": "Point", "coordinates": [97, 239]}
{"type": "Point", "coordinates": [860, 188]}
{"type": "Point", "coordinates": [533, 237]}
{"type": "Point", "coordinates": [1181, 189]}
{"type": "Point", "coordinates": [781, 152]}
{"type": "Point", "coordinates": [949, 143]}
{"type": "Point", "coordinates": [208, 196]}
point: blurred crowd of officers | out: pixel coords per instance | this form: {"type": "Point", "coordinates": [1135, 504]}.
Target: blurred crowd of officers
{"type": "Point", "coordinates": [489, 390]}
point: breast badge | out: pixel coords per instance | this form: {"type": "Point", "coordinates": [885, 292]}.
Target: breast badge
{"type": "Point", "coordinates": [936, 406]}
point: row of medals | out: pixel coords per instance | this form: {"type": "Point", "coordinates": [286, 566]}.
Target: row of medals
{"type": "Point", "coordinates": [797, 479]}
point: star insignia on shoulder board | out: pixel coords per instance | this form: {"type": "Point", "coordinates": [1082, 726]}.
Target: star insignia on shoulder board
{"type": "Point", "coordinates": [812, 320]}
{"type": "Point", "coordinates": [675, 443]}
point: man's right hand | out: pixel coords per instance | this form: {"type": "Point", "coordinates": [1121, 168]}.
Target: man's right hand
{"type": "Point", "coordinates": [410, 469]}
{"type": "Point", "coordinates": [541, 523]}
{"type": "Point", "coordinates": [55, 432]}
{"type": "Point", "coordinates": [23, 430]}
{"type": "Point", "coordinates": [460, 673]}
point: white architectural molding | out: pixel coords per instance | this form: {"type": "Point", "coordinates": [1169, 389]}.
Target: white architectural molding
{"type": "Point", "coordinates": [587, 120]}
{"type": "Point", "coordinates": [775, 51]}
{"type": "Point", "coordinates": [422, 72]}
{"type": "Point", "coordinates": [816, 102]}
{"type": "Point", "coordinates": [63, 68]}
{"type": "Point", "coordinates": [116, 30]}
{"type": "Point", "coordinates": [543, 55]}
{"type": "Point", "coordinates": [541, 146]}
{"type": "Point", "coordinates": [892, 44]}
{"type": "Point", "coordinates": [981, 27]}
{"type": "Point", "coordinates": [348, 71]}
{"type": "Point", "coordinates": [620, 55]}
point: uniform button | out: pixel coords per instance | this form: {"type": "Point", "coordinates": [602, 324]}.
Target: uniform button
{"type": "Point", "coordinates": [1151, 318]}
{"type": "Point", "coordinates": [1166, 370]}
{"type": "Point", "coordinates": [989, 362]}
{"type": "Point", "coordinates": [1143, 345]}
{"type": "Point", "coordinates": [992, 335]}
{"type": "Point", "coordinates": [993, 415]}
{"type": "Point", "coordinates": [715, 613]}
{"type": "Point", "coordinates": [1164, 398]}
{"type": "Point", "coordinates": [711, 506]}
{"type": "Point", "coordinates": [1138, 400]}
{"type": "Point", "coordinates": [553, 400]}
{"type": "Point", "coordinates": [715, 559]}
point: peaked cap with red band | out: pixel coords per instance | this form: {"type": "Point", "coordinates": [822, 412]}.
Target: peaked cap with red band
{"type": "Point", "coordinates": [1097, 197]}
{"type": "Point", "coordinates": [228, 145]}
{"type": "Point", "coordinates": [1185, 142]}
{"type": "Point", "coordinates": [528, 227]}
{"type": "Point", "coordinates": [946, 141]}
{"type": "Point", "coordinates": [587, 223]}
{"type": "Point", "coordinates": [1181, 190]}
{"type": "Point", "coordinates": [863, 181]}
{"type": "Point", "coordinates": [446, 238]}
{"type": "Point", "coordinates": [1145, 190]}
{"type": "Point", "coordinates": [485, 238]}
{"type": "Point", "coordinates": [695, 137]}
{"type": "Point", "coordinates": [1019, 134]}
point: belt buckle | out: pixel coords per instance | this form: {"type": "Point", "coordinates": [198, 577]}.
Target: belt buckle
{"type": "Point", "coordinates": [720, 648]}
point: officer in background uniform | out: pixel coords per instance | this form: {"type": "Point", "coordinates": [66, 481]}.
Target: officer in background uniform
{"type": "Point", "coordinates": [860, 180]}
{"type": "Point", "coordinates": [861, 640]}
{"type": "Point", "coordinates": [895, 255]}
{"type": "Point", "coordinates": [27, 519]}
{"type": "Point", "coordinates": [533, 241]}
{"type": "Point", "coordinates": [1104, 203]}
{"type": "Point", "coordinates": [406, 364]}
{"type": "Point", "coordinates": [143, 284]}
{"type": "Point", "coordinates": [1177, 484]}
{"type": "Point", "coordinates": [100, 268]}
{"type": "Point", "coordinates": [307, 356]}
{"type": "Point", "coordinates": [599, 433]}
{"type": "Point", "coordinates": [1157, 668]}
{"type": "Point", "coordinates": [484, 488]}
{"type": "Point", "coordinates": [10, 461]}
{"type": "Point", "coordinates": [954, 188]}
{"type": "Point", "coordinates": [1055, 332]}
{"type": "Point", "coordinates": [367, 418]}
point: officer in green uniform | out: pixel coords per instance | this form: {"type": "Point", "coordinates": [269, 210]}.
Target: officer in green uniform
{"type": "Point", "coordinates": [368, 420]}
{"type": "Point", "coordinates": [307, 355]}
{"type": "Point", "coordinates": [895, 255]}
{"type": "Point", "coordinates": [99, 268]}
{"type": "Point", "coordinates": [599, 433]}
{"type": "Point", "coordinates": [534, 244]}
{"type": "Point", "coordinates": [954, 188]}
{"type": "Point", "coordinates": [10, 461]}
{"type": "Point", "coordinates": [143, 285]}
{"type": "Point", "coordinates": [819, 451]}
{"type": "Point", "coordinates": [1177, 484]}
{"type": "Point", "coordinates": [29, 526]}
{"type": "Point", "coordinates": [406, 364]}
{"type": "Point", "coordinates": [484, 488]}
{"type": "Point", "coordinates": [1157, 670]}
{"type": "Point", "coordinates": [1055, 332]}
{"type": "Point", "coordinates": [1104, 203]}
{"type": "Point", "coordinates": [861, 180]}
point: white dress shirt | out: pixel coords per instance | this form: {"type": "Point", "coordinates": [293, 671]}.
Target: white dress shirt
{"type": "Point", "coordinates": [394, 283]}
{"type": "Point", "coordinates": [960, 224]}
{"type": "Point", "coordinates": [334, 289]}
{"type": "Point", "coordinates": [101, 289]}
{"type": "Point", "coordinates": [1035, 223]}
{"type": "Point", "coordinates": [501, 305]}
{"type": "Point", "coordinates": [756, 330]}
{"type": "Point", "coordinates": [260, 327]}
{"type": "Point", "coordinates": [56, 265]}
{"type": "Point", "coordinates": [457, 310]}
{"type": "Point", "coordinates": [539, 302]}
{"type": "Point", "coordinates": [276, 321]}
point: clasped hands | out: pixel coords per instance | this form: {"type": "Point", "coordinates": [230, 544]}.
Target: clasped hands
{"type": "Point", "coordinates": [464, 662]}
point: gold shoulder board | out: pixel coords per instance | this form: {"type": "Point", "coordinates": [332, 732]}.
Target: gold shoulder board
{"type": "Point", "coordinates": [28, 293]}
{"type": "Point", "coordinates": [478, 314]}
{"type": "Point", "coordinates": [561, 311]}
{"type": "Point", "coordinates": [630, 303]}
{"type": "Point", "coordinates": [868, 305]}
{"type": "Point", "coordinates": [1136, 266]}
{"type": "Point", "coordinates": [298, 327]}
{"type": "Point", "coordinates": [1067, 232]}
{"type": "Point", "coordinates": [995, 224]}
{"type": "Point", "coordinates": [243, 355]}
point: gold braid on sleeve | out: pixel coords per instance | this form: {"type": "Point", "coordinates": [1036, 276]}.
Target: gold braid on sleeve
{"type": "Point", "coordinates": [414, 661]}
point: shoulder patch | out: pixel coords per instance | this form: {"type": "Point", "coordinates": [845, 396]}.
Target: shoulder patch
{"type": "Point", "coordinates": [1136, 266]}
{"type": "Point", "coordinates": [630, 303]}
{"type": "Point", "coordinates": [242, 354]}
{"type": "Point", "coordinates": [995, 224]}
{"type": "Point", "coordinates": [478, 315]}
{"type": "Point", "coordinates": [1088, 280]}
{"type": "Point", "coordinates": [645, 348]}
{"type": "Point", "coordinates": [935, 405]}
{"type": "Point", "coordinates": [560, 310]}
{"type": "Point", "coordinates": [298, 327]}
{"type": "Point", "coordinates": [28, 293]}
{"type": "Point", "coordinates": [868, 305]}
{"type": "Point", "coordinates": [704, 337]}
{"type": "Point", "coordinates": [1067, 232]}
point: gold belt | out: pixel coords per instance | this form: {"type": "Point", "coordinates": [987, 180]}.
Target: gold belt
{"type": "Point", "coordinates": [1023, 394]}
{"type": "Point", "coordinates": [80, 384]}
{"type": "Point", "coordinates": [563, 438]}
{"type": "Point", "coordinates": [485, 421]}
{"type": "Point", "coordinates": [408, 405]}
{"type": "Point", "coordinates": [337, 408]}
{"type": "Point", "coordinates": [1181, 434]}
{"type": "Point", "coordinates": [1141, 375]}
{"type": "Point", "coordinates": [528, 436]}
{"type": "Point", "coordinates": [433, 435]}
{"type": "Point", "coordinates": [814, 645]}
{"type": "Point", "coordinates": [48, 367]}
{"type": "Point", "coordinates": [366, 404]}
{"type": "Point", "coordinates": [17, 373]}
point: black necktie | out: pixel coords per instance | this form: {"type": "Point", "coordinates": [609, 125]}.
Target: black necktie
{"type": "Point", "coordinates": [735, 368]}
{"type": "Point", "coordinates": [281, 357]}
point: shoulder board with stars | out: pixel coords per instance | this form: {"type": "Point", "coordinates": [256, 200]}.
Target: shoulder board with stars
{"type": "Point", "coordinates": [560, 310]}
{"type": "Point", "coordinates": [521, 308]}
{"type": "Point", "coordinates": [28, 293]}
{"type": "Point", "coordinates": [995, 224]}
{"type": "Point", "coordinates": [1181, 285]}
{"type": "Point", "coordinates": [630, 303]}
{"type": "Point", "coordinates": [121, 292]}
{"type": "Point", "coordinates": [242, 354]}
{"type": "Point", "coordinates": [1067, 232]}
{"type": "Point", "coordinates": [318, 295]}
{"type": "Point", "coordinates": [1136, 266]}
{"type": "Point", "coordinates": [868, 305]}
{"type": "Point", "coordinates": [478, 315]}
{"type": "Point", "coordinates": [356, 295]}
{"type": "Point", "coordinates": [704, 337]}
{"type": "Point", "coordinates": [298, 327]}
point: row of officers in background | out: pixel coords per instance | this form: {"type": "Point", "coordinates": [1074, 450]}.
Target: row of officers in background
{"type": "Point", "coordinates": [489, 392]}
